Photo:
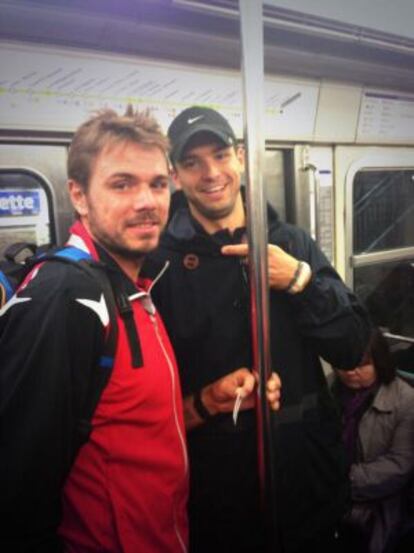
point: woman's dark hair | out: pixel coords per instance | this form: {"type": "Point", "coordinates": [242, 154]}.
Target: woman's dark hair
{"type": "Point", "coordinates": [380, 354]}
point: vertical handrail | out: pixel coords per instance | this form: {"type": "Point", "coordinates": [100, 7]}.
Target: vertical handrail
{"type": "Point", "coordinates": [251, 26]}
{"type": "Point", "coordinates": [314, 199]}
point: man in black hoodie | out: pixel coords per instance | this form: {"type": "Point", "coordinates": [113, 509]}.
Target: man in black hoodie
{"type": "Point", "coordinates": [204, 301]}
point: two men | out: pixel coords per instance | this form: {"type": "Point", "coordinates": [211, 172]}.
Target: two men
{"type": "Point", "coordinates": [204, 301]}
{"type": "Point", "coordinates": [126, 488]}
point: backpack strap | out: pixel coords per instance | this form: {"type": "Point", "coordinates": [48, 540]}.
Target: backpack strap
{"type": "Point", "coordinates": [98, 378]}
{"type": "Point", "coordinates": [6, 290]}
{"type": "Point", "coordinates": [14, 267]}
{"type": "Point", "coordinates": [111, 283]}
{"type": "Point", "coordinates": [97, 271]}
{"type": "Point", "coordinates": [117, 301]}
{"type": "Point", "coordinates": [126, 313]}
{"type": "Point", "coordinates": [14, 250]}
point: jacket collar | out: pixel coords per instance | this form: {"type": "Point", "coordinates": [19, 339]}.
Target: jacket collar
{"type": "Point", "coordinates": [386, 398]}
{"type": "Point", "coordinates": [81, 239]}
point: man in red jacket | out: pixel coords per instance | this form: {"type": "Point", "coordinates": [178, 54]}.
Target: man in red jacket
{"type": "Point", "coordinates": [125, 490]}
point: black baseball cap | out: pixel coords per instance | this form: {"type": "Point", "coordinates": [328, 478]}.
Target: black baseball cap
{"type": "Point", "coordinates": [194, 120]}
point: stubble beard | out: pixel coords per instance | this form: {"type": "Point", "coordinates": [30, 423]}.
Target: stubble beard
{"type": "Point", "coordinates": [118, 247]}
{"type": "Point", "coordinates": [213, 213]}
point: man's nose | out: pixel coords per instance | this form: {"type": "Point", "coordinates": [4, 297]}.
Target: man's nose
{"type": "Point", "coordinates": [211, 170]}
{"type": "Point", "coordinates": [144, 199]}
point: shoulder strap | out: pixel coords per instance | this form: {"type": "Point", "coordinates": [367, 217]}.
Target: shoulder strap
{"type": "Point", "coordinates": [114, 293]}
{"type": "Point", "coordinates": [100, 376]}
{"type": "Point", "coordinates": [6, 290]}
{"type": "Point", "coordinates": [117, 301]}
{"type": "Point", "coordinates": [126, 313]}
{"type": "Point", "coordinates": [14, 266]}
{"type": "Point", "coordinates": [14, 250]}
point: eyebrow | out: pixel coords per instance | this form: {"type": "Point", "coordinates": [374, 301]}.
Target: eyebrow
{"type": "Point", "coordinates": [130, 176]}
{"type": "Point", "coordinates": [218, 148]}
{"type": "Point", "coordinates": [122, 175]}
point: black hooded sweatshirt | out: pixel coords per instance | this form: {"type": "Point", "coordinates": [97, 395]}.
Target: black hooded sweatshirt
{"type": "Point", "coordinates": [204, 301]}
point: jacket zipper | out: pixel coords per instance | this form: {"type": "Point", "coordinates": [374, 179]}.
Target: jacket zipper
{"type": "Point", "coordinates": [182, 440]}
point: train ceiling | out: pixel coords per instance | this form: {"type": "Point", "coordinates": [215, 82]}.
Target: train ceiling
{"type": "Point", "coordinates": [207, 33]}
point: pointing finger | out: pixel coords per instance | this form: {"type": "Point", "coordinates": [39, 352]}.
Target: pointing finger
{"type": "Point", "coordinates": [240, 250]}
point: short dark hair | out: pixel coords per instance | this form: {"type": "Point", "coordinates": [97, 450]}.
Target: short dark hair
{"type": "Point", "coordinates": [379, 354]}
{"type": "Point", "coordinates": [108, 127]}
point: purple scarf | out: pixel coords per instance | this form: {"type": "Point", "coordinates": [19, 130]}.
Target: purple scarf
{"type": "Point", "coordinates": [354, 404]}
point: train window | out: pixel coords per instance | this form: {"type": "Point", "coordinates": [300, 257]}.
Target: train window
{"type": "Point", "coordinates": [383, 240]}
{"type": "Point", "coordinates": [391, 301]}
{"type": "Point", "coordinates": [25, 208]}
{"type": "Point", "coordinates": [383, 210]}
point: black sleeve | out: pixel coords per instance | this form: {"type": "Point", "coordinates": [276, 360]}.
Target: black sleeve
{"type": "Point", "coordinates": [49, 343]}
{"type": "Point", "coordinates": [327, 311]}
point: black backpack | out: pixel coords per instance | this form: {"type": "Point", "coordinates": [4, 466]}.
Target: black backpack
{"type": "Point", "coordinates": [20, 258]}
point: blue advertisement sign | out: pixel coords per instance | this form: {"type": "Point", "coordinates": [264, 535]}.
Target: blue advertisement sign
{"type": "Point", "coordinates": [19, 202]}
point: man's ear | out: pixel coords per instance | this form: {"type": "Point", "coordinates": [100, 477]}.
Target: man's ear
{"type": "Point", "coordinates": [78, 197]}
{"type": "Point", "coordinates": [240, 156]}
{"type": "Point", "coordinates": [175, 179]}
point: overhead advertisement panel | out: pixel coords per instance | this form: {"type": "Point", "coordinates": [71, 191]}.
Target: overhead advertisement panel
{"type": "Point", "coordinates": [386, 117]}
{"type": "Point", "coordinates": [45, 89]}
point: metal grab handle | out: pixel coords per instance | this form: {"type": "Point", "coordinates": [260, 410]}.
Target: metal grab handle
{"type": "Point", "coordinates": [313, 186]}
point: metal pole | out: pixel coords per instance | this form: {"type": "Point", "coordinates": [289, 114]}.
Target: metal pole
{"type": "Point", "coordinates": [251, 27]}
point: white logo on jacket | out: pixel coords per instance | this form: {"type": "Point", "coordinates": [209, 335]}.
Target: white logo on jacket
{"type": "Point", "coordinates": [14, 300]}
{"type": "Point", "coordinates": [98, 307]}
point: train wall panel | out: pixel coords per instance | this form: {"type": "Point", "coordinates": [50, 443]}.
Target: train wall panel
{"type": "Point", "coordinates": [48, 89]}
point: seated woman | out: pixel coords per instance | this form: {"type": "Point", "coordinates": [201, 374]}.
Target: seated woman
{"type": "Point", "coordinates": [378, 432]}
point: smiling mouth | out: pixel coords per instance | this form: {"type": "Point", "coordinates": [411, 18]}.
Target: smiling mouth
{"type": "Point", "coordinates": [214, 189]}
{"type": "Point", "coordinates": [148, 225]}
{"type": "Point", "coordinates": [144, 220]}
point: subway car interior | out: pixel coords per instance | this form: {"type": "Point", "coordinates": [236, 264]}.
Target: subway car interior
{"type": "Point", "coordinates": [338, 104]}
{"type": "Point", "coordinates": [338, 100]}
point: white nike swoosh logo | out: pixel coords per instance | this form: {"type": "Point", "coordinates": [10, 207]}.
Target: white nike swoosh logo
{"type": "Point", "coordinates": [194, 119]}
{"type": "Point", "coordinates": [14, 300]}
{"type": "Point", "coordinates": [98, 307]}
